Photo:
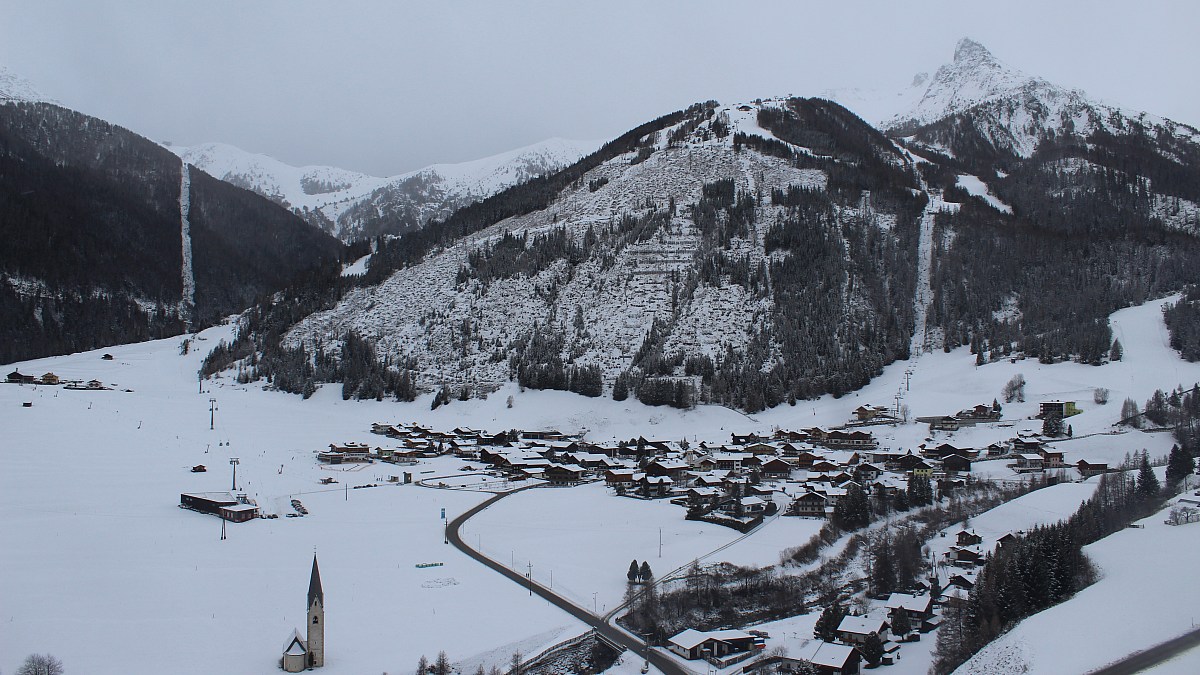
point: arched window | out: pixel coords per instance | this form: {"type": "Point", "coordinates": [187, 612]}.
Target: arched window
{"type": "Point", "coordinates": [314, 619]}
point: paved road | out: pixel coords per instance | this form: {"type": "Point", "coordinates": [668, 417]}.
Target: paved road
{"type": "Point", "coordinates": [1136, 663]}
{"type": "Point", "coordinates": [663, 663]}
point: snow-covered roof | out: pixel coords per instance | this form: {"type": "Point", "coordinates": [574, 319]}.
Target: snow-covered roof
{"type": "Point", "coordinates": [912, 603]}
{"type": "Point", "coordinates": [689, 639]}
{"type": "Point", "coordinates": [296, 644]}
{"type": "Point", "coordinates": [861, 625]}
{"type": "Point", "coordinates": [826, 654]}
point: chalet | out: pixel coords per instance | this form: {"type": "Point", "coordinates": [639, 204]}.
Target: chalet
{"type": "Point", "coordinates": [789, 449]}
{"type": "Point", "coordinates": [960, 556]}
{"type": "Point", "coordinates": [652, 487]}
{"type": "Point", "coordinates": [1028, 463]}
{"type": "Point", "coordinates": [848, 439]}
{"type": "Point", "coordinates": [776, 467]}
{"type": "Point", "coordinates": [823, 466]}
{"type": "Point", "coordinates": [805, 460]}
{"type": "Point", "coordinates": [791, 436]}
{"type": "Point", "coordinates": [1063, 409]}
{"type": "Point", "coordinates": [676, 470]}
{"type": "Point", "coordinates": [868, 413]}
{"type": "Point", "coordinates": [866, 473]}
{"type": "Point", "coordinates": [982, 412]}
{"type": "Point", "coordinates": [997, 450]}
{"type": "Point", "coordinates": [956, 464]}
{"type": "Point", "coordinates": [810, 504]}
{"type": "Point", "coordinates": [1052, 459]}
{"type": "Point", "coordinates": [50, 378]}
{"type": "Point", "coordinates": [732, 461]}
{"type": "Point", "coordinates": [15, 377]}
{"type": "Point", "coordinates": [959, 581]}
{"type": "Point", "coordinates": [1005, 540]}
{"type": "Point", "coordinates": [547, 435]}
{"type": "Point", "coordinates": [905, 462]}
{"type": "Point", "coordinates": [945, 423]}
{"type": "Point", "coordinates": [753, 505]}
{"type": "Point", "coordinates": [619, 478]}
{"type": "Point", "coordinates": [747, 439]}
{"type": "Point", "coordinates": [692, 644]}
{"type": "Point", "coordinates": [381, 428]}
{"type": "Point", "coordinates": [968, 538]}
{"type": "Point", "coordinates": [712, 479]}
{"type": "Point", "coordinates": [828, 658]}
{"type": "Point", "coordinates": [1027, 444]}
{"type": "Point", "coordinates": [920, 468]}
{"type": "Point", "coordinates": [918, 606]}
{"type": "Point", "coordinates": [703, 496]}
{"type": "Point", "coordinates": [854, 630]}
{"type": "Point", "coordinates": [1088, 469]}
{"type": "Point", "coordinates": [564, 474]}
{"type": "Point", "coordinates": [945, 450]}
{"type": "Point", "coordinates": [348, 452]}
{"type": "Point", "coordinates": [761, 449]}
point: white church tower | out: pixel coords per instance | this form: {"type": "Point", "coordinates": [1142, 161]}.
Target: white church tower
{"type": "Point", "coordinates": [302, 652]}
{"type": "Point", "coordinates": [316, 619]}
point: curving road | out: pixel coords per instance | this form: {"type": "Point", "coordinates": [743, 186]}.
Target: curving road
{"type": "Point", "coordinates": [1139, 661]}
{"type": "Point", "coordinates": [612, 633]}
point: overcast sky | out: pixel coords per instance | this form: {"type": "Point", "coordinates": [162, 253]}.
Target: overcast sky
{"type": "Point", "coordinates": [386, 87]}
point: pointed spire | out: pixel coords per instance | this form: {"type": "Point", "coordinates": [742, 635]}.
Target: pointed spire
{"type": "Point", "coordinates": [314, 585]}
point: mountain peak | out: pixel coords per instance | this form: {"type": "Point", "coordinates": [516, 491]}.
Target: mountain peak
{"type": "Point", "coordinates": [969, 51]}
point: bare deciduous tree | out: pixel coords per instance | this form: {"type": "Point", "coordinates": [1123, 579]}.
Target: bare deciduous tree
{"type": "Point", "coordinates": [41, 664]}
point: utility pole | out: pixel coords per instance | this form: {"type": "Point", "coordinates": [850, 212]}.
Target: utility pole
{"type": "Point", "coordinates": [212, 413]}
{"type": "Point", "coordinates": [223, 528]}
{"type": "Point", "coordinates": [660, 542]}
{"type": "Point", "coordinates": [530, 575]}
{"type": "Point", "coordinates": [233, 461]}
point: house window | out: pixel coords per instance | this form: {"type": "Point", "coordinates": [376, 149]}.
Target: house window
{"type": "Point", "coordinates": [314, 620]}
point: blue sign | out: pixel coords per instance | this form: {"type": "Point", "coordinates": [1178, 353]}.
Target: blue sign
{"type": "Point", "coordinates": [443, 514]}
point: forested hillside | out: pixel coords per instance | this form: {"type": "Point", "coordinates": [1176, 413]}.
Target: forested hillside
{"type": "Point", "coordinates": [91, 220]}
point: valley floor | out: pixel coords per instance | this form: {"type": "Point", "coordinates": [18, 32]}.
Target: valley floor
{"type": "Point", "coordinates": [97, 554]}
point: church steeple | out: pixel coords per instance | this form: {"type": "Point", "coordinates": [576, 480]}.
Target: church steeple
{"type": "Point", "coordinates": [316, 618]}
{"type": "Point", "coordinates": [314, 585]}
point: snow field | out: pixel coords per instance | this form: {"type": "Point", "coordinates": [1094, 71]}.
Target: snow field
{"type": "Point", "coordinates": [104, 561]}
{"type": "Point", "coordinates": [1142, 599]}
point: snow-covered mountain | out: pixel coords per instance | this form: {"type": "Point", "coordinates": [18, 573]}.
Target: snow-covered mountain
{"type": "Point", "coordinates": [1012, 110]}
{"type": "Point", "coordinates": [757, 253]}
{"type": "Point", "coordinates": [352, 205]}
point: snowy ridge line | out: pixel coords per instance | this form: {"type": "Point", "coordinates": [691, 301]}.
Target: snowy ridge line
{"type": "Point", "coordinates": [187, 301]}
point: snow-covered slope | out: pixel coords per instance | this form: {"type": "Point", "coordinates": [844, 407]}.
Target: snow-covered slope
{"type": "Point", "coordinates": [311, 187]}
{"type": "Point", "coordinates": [349, 204]}
{"type": "Point", "coordinates": [14, 88]}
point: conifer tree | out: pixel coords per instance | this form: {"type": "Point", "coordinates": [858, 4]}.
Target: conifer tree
{"type": "Point", "coordinates": [1148, 486]}
{"type": "Point", "coordinates": [633, 573]}
{"type": "Point", "coordinates": [827, 625]}
{"type": "Point", "coordinates": [645, 574]}
{"type": "Point", "coordinates": [1179, 464]}
{"type": "Point", "coordinates": [872, 649]}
